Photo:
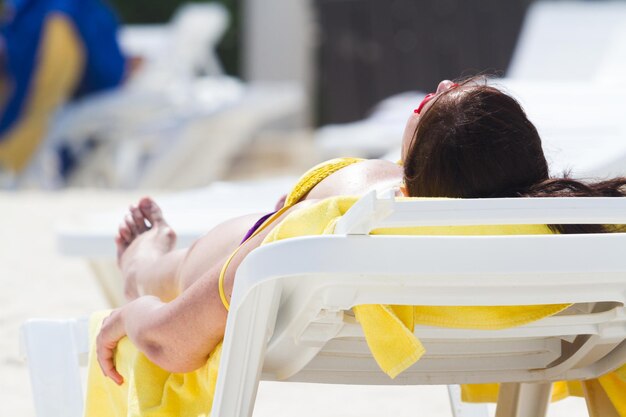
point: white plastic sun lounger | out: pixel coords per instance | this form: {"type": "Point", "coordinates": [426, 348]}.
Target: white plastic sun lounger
{"type": "Point", "coordinates": [177, 123]}
{"type": "Point", "coordinates": [186, 45]}
{"type": "Point", "coordinates": [172, 55]}
{"type": "Point", "coordinates": [291, 319]}
{"type": "Point", "coordinates": [177, 133]}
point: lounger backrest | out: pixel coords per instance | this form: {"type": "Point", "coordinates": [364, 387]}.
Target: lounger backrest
{"type": "Point", "coordinates": [372, 212]}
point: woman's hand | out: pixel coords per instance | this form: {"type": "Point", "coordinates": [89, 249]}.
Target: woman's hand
{"type": "Point", "coordinates": [113, 329]}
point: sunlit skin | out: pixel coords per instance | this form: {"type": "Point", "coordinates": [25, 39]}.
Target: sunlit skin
{"type": "Point", "coordinates": [414, 118]}
{"type": "Point", "coordinates": [174, 314]}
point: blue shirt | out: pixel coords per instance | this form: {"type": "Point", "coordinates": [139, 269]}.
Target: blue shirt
{"type": "Point", "coordinates": [95, 24]}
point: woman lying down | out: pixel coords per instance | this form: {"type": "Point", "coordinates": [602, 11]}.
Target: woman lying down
{"type": "Point", "coordinates": [466, 140]}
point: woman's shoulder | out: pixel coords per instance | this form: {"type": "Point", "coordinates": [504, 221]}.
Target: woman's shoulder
{"type": "Point", "coordinates": [357, 178]}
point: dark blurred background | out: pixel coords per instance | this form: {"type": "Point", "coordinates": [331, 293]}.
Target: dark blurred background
{"type": "Point", "coordinates": [370, 49]}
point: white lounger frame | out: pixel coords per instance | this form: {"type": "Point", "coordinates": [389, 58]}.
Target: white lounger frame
{"type": "Point", "coordinates": [55, 350]}
{"type": "Point", "coordinates": [291, 309]}
{"type": "Point", "coordinates": [290, 317]}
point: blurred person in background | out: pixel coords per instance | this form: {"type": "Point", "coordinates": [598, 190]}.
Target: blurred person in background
{"type": "Point", "coordinates": [51, 52]}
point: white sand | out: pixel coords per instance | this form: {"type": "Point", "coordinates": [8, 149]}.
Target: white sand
{"type": "Point", "coordinates": [38, 282]}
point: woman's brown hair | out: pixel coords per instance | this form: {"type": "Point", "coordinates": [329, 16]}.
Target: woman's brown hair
{"type": "Point", "coordinates": [476, 142]}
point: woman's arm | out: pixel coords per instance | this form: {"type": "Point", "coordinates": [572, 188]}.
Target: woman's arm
{"type": "Point", "coordinates": [178, 335]}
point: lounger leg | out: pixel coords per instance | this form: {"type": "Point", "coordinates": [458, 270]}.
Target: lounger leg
{"type": "Point", "coordinates": [598, 404]}
{"type": "Point", "coordinates": [523, 400]}
{"type": "Point", "coordinates": [52, 349]}
{"type": "Point", "coordinates": [247, 333]}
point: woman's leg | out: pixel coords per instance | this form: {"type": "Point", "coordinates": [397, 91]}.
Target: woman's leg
{"type": "Point", "coordinates": [148, 261]}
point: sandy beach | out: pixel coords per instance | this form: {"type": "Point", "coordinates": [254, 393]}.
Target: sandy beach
{"type": "Point", "coordinates": [38, 282]}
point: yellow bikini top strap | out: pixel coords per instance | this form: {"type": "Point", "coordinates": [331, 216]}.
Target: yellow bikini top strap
{"type": "Point", "coordinates": [230, 258]}
{"type": "Point", "coordinates": [305, 184]}
{"type": "Point", "coordinates": [315, 175]}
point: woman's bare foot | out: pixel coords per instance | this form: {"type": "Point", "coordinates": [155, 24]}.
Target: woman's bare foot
{"type": "Point", "coordinates": [143, 237]}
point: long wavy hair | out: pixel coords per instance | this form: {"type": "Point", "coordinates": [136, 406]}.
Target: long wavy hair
{"type": "Point", "coordinates": [477, 142]}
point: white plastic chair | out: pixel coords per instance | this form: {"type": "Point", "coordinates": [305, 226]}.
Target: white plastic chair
{"type": "Point", "coordinates": [184, 46]}
{"type": "Point", "coordinates": [176, 123]}
{"type": "Point", "coordinates": [291, 319]}
{"type": "Point", "coordinates": [174, 54]}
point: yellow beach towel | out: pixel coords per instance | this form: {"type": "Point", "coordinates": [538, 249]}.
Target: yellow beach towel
{"type": "Point", "coordinates": [149, 391]}
{"type": "Point", "coordinates": [389, 329]}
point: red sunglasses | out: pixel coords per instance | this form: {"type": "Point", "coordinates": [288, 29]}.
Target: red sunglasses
{"type": "Point", "coordinates": [428, 97]}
